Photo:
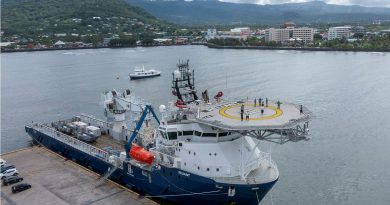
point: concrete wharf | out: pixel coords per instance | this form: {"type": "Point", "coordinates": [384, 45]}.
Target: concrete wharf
{"type": "Point", "coordinates": [57, 180]}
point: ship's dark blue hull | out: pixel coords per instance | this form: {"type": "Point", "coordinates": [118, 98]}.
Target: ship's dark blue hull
{"type": "Point", "coordinates": [168, 183]}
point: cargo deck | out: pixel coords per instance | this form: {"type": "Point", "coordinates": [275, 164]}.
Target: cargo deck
{"type": "Point", "coordinates": [56, 180]}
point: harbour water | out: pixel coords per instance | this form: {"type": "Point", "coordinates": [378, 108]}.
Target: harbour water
{"type": "Point", "coordinates": [345, 162]}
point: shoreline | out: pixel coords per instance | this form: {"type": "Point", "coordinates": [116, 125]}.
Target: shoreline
{"type": "Point", "coordinates": [59, 49]}
{"type": "Point", "coordinates": [213, 46]}
{"type": "Point", "coordinates": [209, 45]}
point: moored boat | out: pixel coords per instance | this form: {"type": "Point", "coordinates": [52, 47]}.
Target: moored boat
{"type": "Point", "coordinates": [142, 73]}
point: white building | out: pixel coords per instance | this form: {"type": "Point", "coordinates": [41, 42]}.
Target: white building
{"type": "Point", "coordinates": [235, 33]}
{"type": "Point", "coordinates": [339, 32]}
{"type": "Point", "coordinates": [304, 33]}
{"type": "Point", "coordinates": [241, 31]}
{"type": "Point", "coordinates": [286, 34]}
{"type": "Point", "coordinates": [59, 44]}
{"type": "Point", "coordinates": [60, 34]}
{"type": "Point", "coordinates": [211, 34]}
{"type": "Point", "coordinates": [276, 34]}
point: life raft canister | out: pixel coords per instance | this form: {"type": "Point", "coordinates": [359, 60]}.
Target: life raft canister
{"type": "Point", "coordinates": [140, 154]}
{"type": "Point", "coordinates": [180, 104]}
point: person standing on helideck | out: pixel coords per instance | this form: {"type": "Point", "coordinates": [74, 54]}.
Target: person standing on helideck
{"type": "Point", "coordinates": [242, 112]}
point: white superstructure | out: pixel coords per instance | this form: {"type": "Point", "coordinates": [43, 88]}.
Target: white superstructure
{"type": "Point", "coordinates": [208, 137]}
{"type": "Point", "coordinates": [142, 73]}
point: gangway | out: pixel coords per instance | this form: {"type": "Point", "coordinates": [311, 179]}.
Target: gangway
{"type": "Point", "coordinates": [107, 174]}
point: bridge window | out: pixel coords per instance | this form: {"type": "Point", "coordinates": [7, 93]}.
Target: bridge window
{"type": "Point", "coordinates": [205, 134]}
{"type": "Point", "coordinates": [223, 134]}
{"type": "Point", "coordinates": [191, 132]}
{"type": "Point", "coordinates": [172, 135]}
{"type": "Point", "coordinates": [198, 133]}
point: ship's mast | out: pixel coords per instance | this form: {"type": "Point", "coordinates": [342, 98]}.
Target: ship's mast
{"type": "Point", "coordinates": [183, 80]}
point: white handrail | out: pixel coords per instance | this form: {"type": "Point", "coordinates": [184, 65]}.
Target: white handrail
{"type": "Point", "coordinates": [71, 141]}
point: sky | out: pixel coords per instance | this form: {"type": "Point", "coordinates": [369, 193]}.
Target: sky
{"type": "Point", "coordinates": [370, 3]}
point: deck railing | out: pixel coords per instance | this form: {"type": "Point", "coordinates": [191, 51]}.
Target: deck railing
{"type": "Point", "coordinates": [71, 141]}
{"type": "Point", "coordinates": [94, 120]}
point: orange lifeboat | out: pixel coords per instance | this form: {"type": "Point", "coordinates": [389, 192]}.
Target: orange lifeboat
{"type": "Point", "coordinates": [140, 154]}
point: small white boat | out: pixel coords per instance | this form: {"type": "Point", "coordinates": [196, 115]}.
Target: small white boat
{"type": "Point", "coordinates": [142, 73]}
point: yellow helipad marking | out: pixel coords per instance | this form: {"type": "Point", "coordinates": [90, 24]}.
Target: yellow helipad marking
{"type": "Point", "coordinates": [278, 112]}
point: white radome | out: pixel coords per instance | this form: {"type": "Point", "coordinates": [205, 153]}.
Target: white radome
{"type": "Point", "coordinates": [176, 74]}
{"type": "Point", "coordinates": [162, 108]}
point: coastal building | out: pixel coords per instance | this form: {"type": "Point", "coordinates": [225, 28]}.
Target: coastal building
{"type": "Point", "coordinates": [288, 25]}
{"type": "Point", "coordinates": [240, 31]}
{"type": "Point", "coordinates": [181, 41]}
{"type": "Point", "coordinates": [288, 32]}
{"type": "Point", "coordinates": [60, 34]}
{"type": "Point", "coordinates": [59, 44]}
{"type": "Point", "coordinates": [106, 42]}
{"type": "Point", "coordinates": [6, 44]}
{"type": "Point", "coordinates": [304, 33]}
{"type": "Point", "coordinates": [358, 29]}
{"type": "Point", "coordinates": [162, 41]}
{"type": "Point", "coordinates": [211, 34]}
{"type": "Point", "coordinates": [385, 32]}
{"type": "Point", "coordinates": [339, 32]}
{"type": "Point", "coordinates": [277, 35]}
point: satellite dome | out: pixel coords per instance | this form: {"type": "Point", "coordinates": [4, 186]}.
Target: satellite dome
{"type": "Point", "coordinates": [162, 108]}
{"type": "Point", "coordinates": [176, 74]}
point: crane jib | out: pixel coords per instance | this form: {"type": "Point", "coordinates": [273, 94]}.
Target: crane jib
{"type": "Point", "coordinates": [148, 108]}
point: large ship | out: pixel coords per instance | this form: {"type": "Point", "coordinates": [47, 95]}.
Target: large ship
{"type": "Point", "coordinates": [201, 150]}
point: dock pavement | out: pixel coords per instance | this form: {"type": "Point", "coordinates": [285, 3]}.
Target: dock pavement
{"type": "Point", "coordinates": [56, 180]}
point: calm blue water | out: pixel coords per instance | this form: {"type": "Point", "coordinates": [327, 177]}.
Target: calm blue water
{"type": "Point", "coordinates": [347, 161]}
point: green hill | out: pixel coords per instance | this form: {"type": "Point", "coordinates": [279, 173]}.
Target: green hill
{"type": "Point", "coordinates": [46, 18]}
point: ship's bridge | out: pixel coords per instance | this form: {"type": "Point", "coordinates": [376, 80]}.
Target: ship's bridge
{"type": "Point", "coordinates": [289, 121]}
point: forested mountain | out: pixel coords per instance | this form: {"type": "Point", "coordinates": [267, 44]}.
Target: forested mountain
{"type": "Point", "coordinates": [200, 12]}
{"type": "Point", "coordinates": [46, 17]}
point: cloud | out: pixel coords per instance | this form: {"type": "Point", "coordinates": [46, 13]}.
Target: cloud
{"type": "Point", "coordinates": [371, 3]}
